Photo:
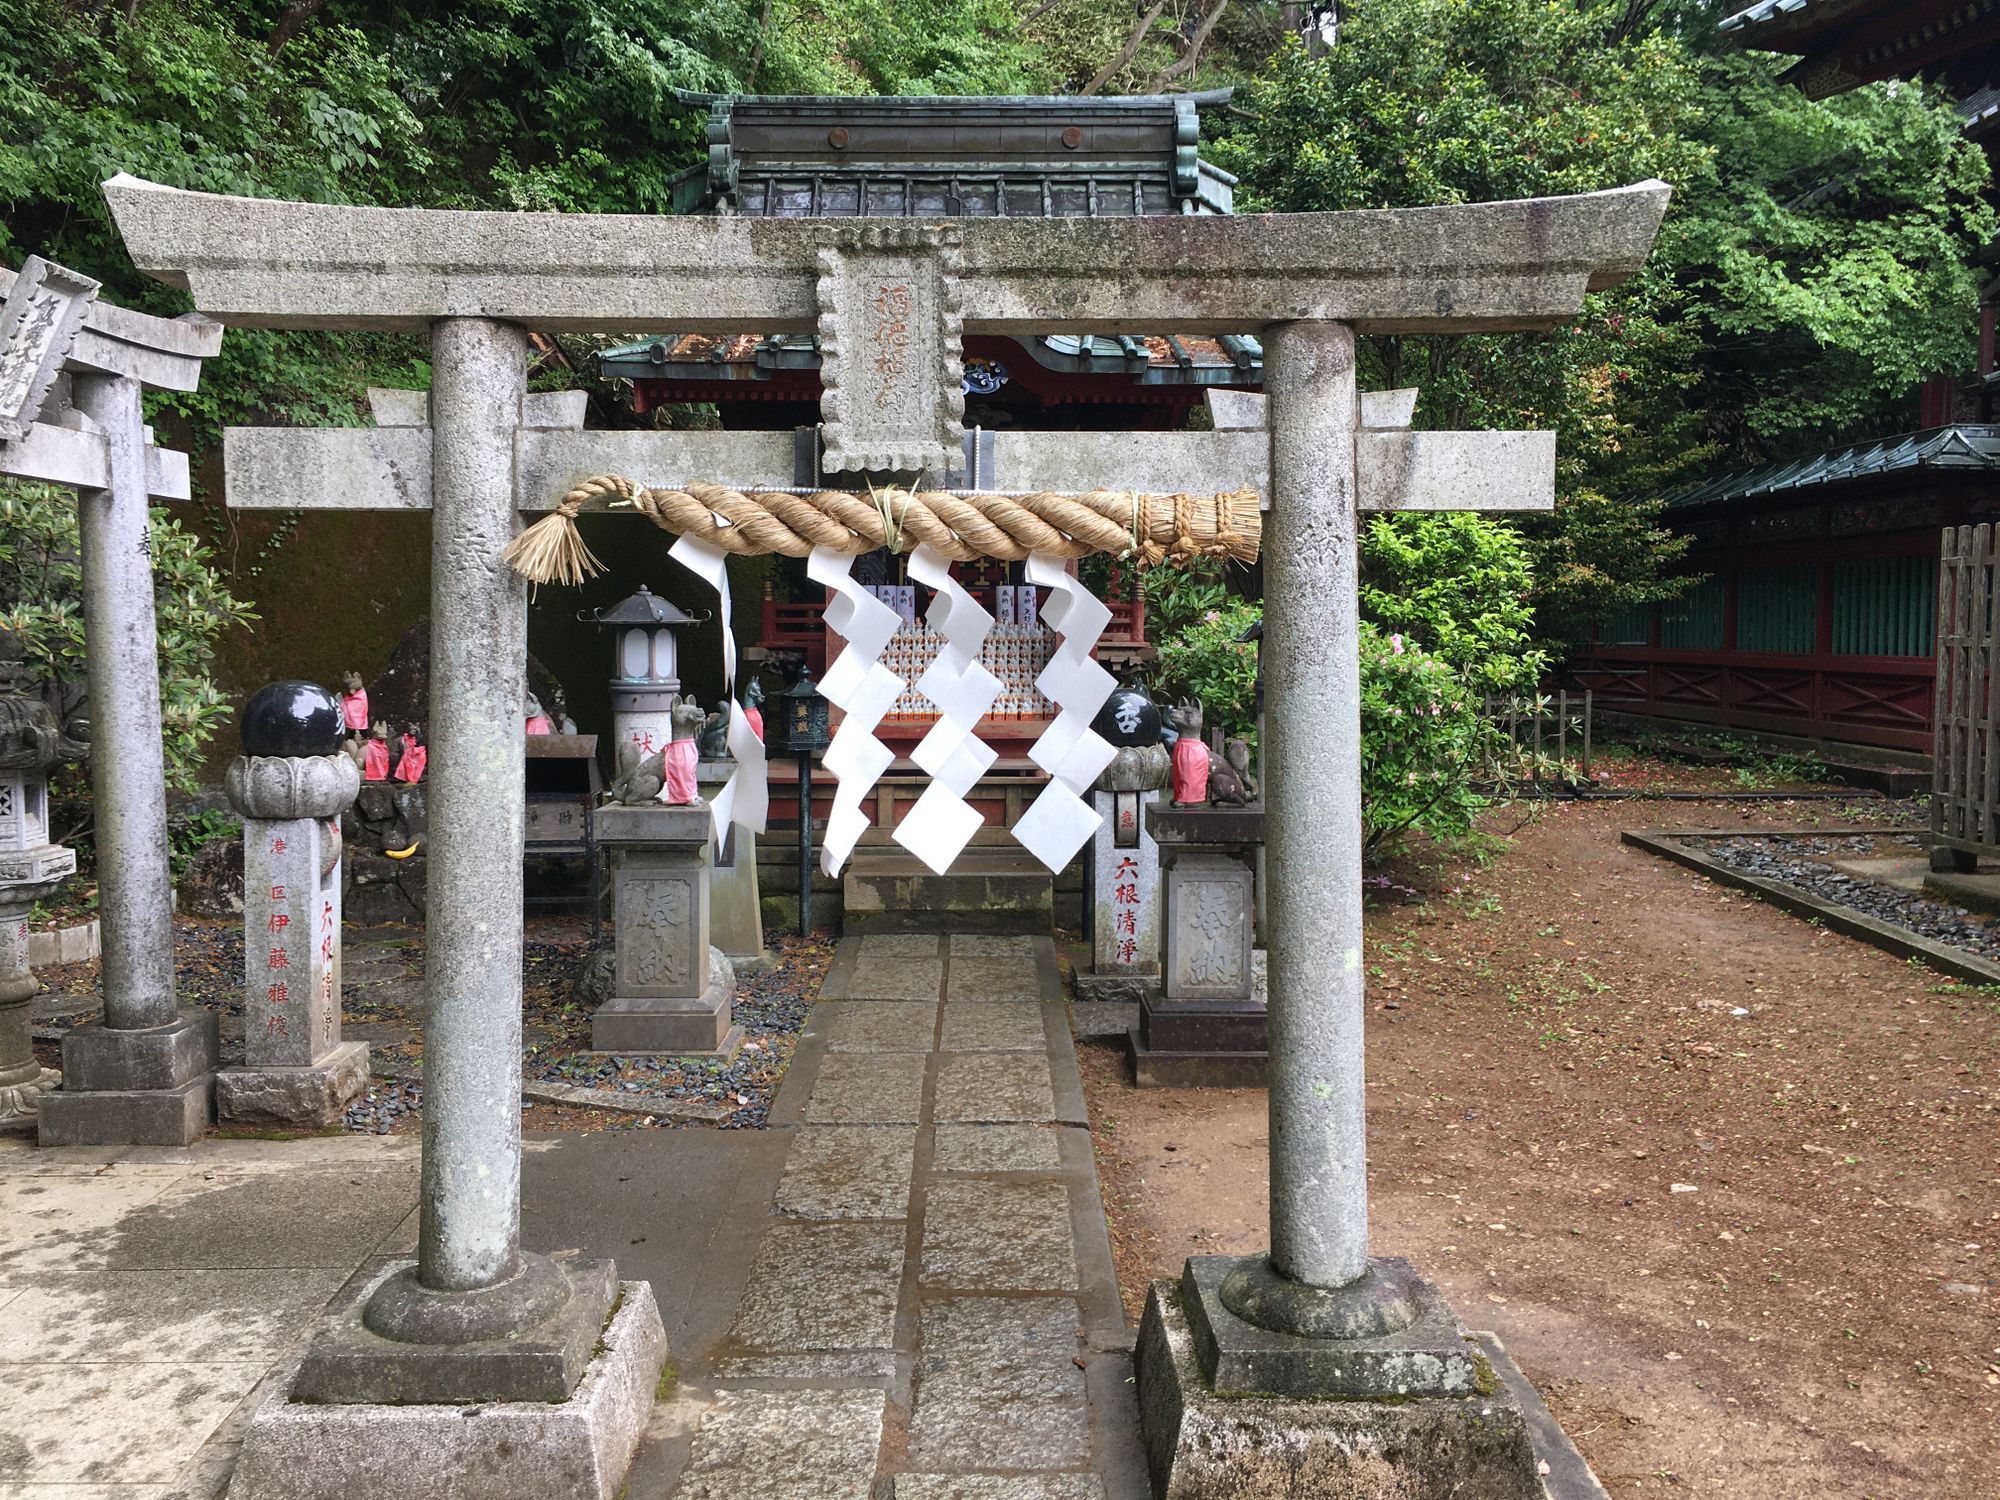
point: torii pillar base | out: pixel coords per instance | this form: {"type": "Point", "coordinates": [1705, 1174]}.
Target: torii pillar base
{"type": "Point", "coordinates": [1231, 1411]}
{"type": "Point", "coordinates": [520, 1422]}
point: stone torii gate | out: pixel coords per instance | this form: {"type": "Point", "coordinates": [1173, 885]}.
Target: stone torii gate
{"type": "Point", "coordinates": [72, 369]}
{"type": "Point", "coordinates": [476, 1320]}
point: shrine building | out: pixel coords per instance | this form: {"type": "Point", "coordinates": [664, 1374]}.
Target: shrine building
{"type": "Point", "coordinates": [791, 156]}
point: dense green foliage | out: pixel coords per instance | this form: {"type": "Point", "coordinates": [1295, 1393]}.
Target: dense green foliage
{"type": "Point", "coordinates": [1818, 260]}
{"type": "Point", "coordinates": [41, 602]}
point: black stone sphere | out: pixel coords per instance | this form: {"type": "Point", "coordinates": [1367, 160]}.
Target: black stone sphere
{"type": "Point", "coordinates": [1129, 717]}
{"type": "Point", "coordinates": [291, 718]}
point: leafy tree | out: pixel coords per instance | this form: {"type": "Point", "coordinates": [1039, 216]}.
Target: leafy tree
{"type": "Point", "coordinates": [41, 602]}
{"type": "Point", "coordinates": [1818, 259]}
{"type": "Point", "coordinates": [1460, 586]}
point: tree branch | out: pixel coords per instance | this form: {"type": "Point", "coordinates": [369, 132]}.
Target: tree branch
{"type": "Point", "coordinates": [1127, 52]}
{"type": "Point", "coordinates": [1186, 62]}
{"type": "Point", "coordinates": [292, 22]}
{"type": "Point", "coordinates": [757, 52]}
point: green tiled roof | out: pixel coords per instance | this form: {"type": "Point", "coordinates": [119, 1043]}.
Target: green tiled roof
{"type": "Point", "coordinates": [1967, 446]}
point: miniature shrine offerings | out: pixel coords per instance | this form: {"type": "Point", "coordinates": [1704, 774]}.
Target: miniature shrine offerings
{"type": "Point", "coordinates": [1015, 651]}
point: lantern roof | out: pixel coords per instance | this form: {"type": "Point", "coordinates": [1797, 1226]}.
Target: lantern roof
{"type": "Point", "coordinates": [644, 608]}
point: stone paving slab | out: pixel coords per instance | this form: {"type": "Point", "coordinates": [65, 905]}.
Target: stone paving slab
{"type": "Point", "coordinates": [996, 1148]}
{"type": "Point", "coordinates": [997, 1026]}
{"type": "Point", "coordinates": [91, 1492]}
{"type": "Point", "coordinates": [998, 1236]}
{"type": "Point", "coordinates": [818, 1369]}
{"type": "Point", "coordinates": [848, 1172]}
{"type": "Point", "coordinates": [900, 945]}
{"type": "Point", "coordinates": [207, 1316]}
{"type": "Point", "coordinates": [823, 1287]}
{"type": "Point", "coordinates": [996, 1487]}
{"type": "Point", "coordinates": [876, 978]}
{"type": "Point", "coordinates": [985, 945]}
{"type": "Point", "coordinates": [66, 1222]}
{"type": "Point", "coordinates": [996, 1387]}
{"type": "Point", "coordinates": [994, 1088]}
{"type": "Point", "coordinates": [878, 1026]}
{"type": "Point", "coordinates": [786, 1445]}
{"type": "Point", "coordinates": [312, 1216]}
{"type": "Point", "coordinates": [995, 978]}
{"type": "Point", "coordinates": [141, 1422]}
{"type": "Point", "coordinates": [867, 1089]}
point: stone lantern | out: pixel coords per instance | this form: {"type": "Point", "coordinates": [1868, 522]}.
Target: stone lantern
{"type": "Point", "coordinates": [801, 726]}
{"type": "Point", "coordinates": [30, 868]}
{"type": "Point", "coordinates": [645, 669]}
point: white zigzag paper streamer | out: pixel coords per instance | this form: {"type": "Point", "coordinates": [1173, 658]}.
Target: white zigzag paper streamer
{"type": "Point", "coordinates": [1073, 754]}
{"type": "Point", "coordinates": [859, 685]}
{"type": "Point", "coordinates": [745, 798]}
{"type": "Point", "coordinates": [941, 822]}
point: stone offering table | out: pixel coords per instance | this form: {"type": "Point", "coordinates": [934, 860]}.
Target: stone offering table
{"type": "Point", "coordinates": [670, 991]}
{"type": "Point", "coordinates": [1207, 1028]}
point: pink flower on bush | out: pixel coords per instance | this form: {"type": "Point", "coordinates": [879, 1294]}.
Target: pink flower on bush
{"type": "Point", "coordinates": [1396, 644]}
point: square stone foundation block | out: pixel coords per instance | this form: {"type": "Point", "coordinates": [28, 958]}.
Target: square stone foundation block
{"type": "Point", "coordinates": [97, 1059]}
{"type": "Point", "coordinates": [347, 1362]}
{"type": "Point", "coordinates": [1431, 1357]}
{"type": "Point", "coordinates": [128, 1117]}
{"type": "Point", "coordinates": [627, 1026]}
{"type": "Point", "coordinates": [308, 1097]}
{"type": "Point", "coordinates": [533, 1450]}
{"type": "Point", "coordinates": [1204, 1446]}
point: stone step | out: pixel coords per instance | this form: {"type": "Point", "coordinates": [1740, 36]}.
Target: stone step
{"type": "Point", "coordinates": [990, 891]}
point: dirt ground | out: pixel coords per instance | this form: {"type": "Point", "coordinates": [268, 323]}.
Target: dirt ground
{"type": "Point", "coordinates": [1749, 1255]}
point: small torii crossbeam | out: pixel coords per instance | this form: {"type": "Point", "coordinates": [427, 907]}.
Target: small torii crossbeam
{"type": "Point", "coordinates": [890, 301]}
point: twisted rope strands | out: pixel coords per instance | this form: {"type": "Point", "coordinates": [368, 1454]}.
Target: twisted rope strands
{"type": "Point", "coordinates": [1152, 528]}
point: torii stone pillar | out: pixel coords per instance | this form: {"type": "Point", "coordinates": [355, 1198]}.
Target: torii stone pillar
{"type": "Point", "coordinates": [144, 1075]}
{"type": "Point", "coordinates": [1317, 1318]}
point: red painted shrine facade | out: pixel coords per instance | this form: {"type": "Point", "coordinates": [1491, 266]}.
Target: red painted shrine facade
{"type": "Point", "coordinates": [1057, 157]}
{"type": "Point", "coordinates": [1816, 614]}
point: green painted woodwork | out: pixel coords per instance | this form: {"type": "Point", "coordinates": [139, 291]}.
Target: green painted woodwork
{"type": "Point", "coordinates": [1777, 609]}
{"type": "Point", "coordinates": [1693, 622]}
{"type": "Point", "coordinates": [1885, 606]}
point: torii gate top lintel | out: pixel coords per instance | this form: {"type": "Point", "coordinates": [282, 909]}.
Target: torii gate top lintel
{"type": "Point", "coordinates": [1461, 268]}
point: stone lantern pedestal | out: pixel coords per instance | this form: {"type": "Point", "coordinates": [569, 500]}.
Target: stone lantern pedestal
{"type": "Point", "coordinates": [26, 876]}
{"type": "Point", "coordinates": [1206, 1028]}
{"type": "Point", "coordinates": [296, 1069]}
{"type": "Point", "coordinates": [670, 990]}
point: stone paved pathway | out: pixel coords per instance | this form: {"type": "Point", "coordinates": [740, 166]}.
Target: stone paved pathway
{"type": "Point", "coordinates": [932, 1313]}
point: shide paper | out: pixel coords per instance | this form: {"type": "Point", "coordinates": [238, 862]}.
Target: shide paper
{"type": "Point", "coordinates": [863, 689]}
{"type": "Point", "coordinates": [1074, 755]}
{"type": "Point", "coordinates": [941, 822]}
{"type": "Point", "coordinates": [745, 798]}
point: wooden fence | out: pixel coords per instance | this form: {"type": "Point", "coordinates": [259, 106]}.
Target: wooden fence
{"type": "Point", "coordinates": [1965, 795]}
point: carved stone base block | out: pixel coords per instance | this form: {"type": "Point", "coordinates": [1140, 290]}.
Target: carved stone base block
{"type": "Point", "coordinates": [701, 1027]}
{"type": "Point", "coordinates": [151, 1087]}
{"type": "Point", "coordinates": [307, 1097]}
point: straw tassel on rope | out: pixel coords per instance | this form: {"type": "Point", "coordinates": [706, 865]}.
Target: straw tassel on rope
{"type": "Point", "coordinates": [963, 526]}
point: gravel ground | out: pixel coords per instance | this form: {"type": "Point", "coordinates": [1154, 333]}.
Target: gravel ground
{"type": "Point", "coordinates": [1800, 861]}
{"type": "Point", "coordinates": [771, 1006]}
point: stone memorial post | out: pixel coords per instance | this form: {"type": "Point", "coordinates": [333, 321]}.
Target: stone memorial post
{"type": "Point", "coordinates": [290, 787]}
{"type": "Point", "coordinates": [476, 1321]}
{"type": "Point", "coordinates": [671, 991]}
{"type": "Point", "coordinates": [72, 370]}
{"type": "Point", "coordinates": [1128, 914]}
{"type": "Point", "coordinates": [31, 868]}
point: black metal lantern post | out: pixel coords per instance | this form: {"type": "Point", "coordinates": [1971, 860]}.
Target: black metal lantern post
{"type": "Point", "coordinates": [801, 725]}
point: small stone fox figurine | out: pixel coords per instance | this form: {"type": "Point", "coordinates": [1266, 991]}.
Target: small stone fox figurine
{"type": "Point", "coordinates": [640, 777]}
{"type": "Point", "coordinates": [1229, 783]}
